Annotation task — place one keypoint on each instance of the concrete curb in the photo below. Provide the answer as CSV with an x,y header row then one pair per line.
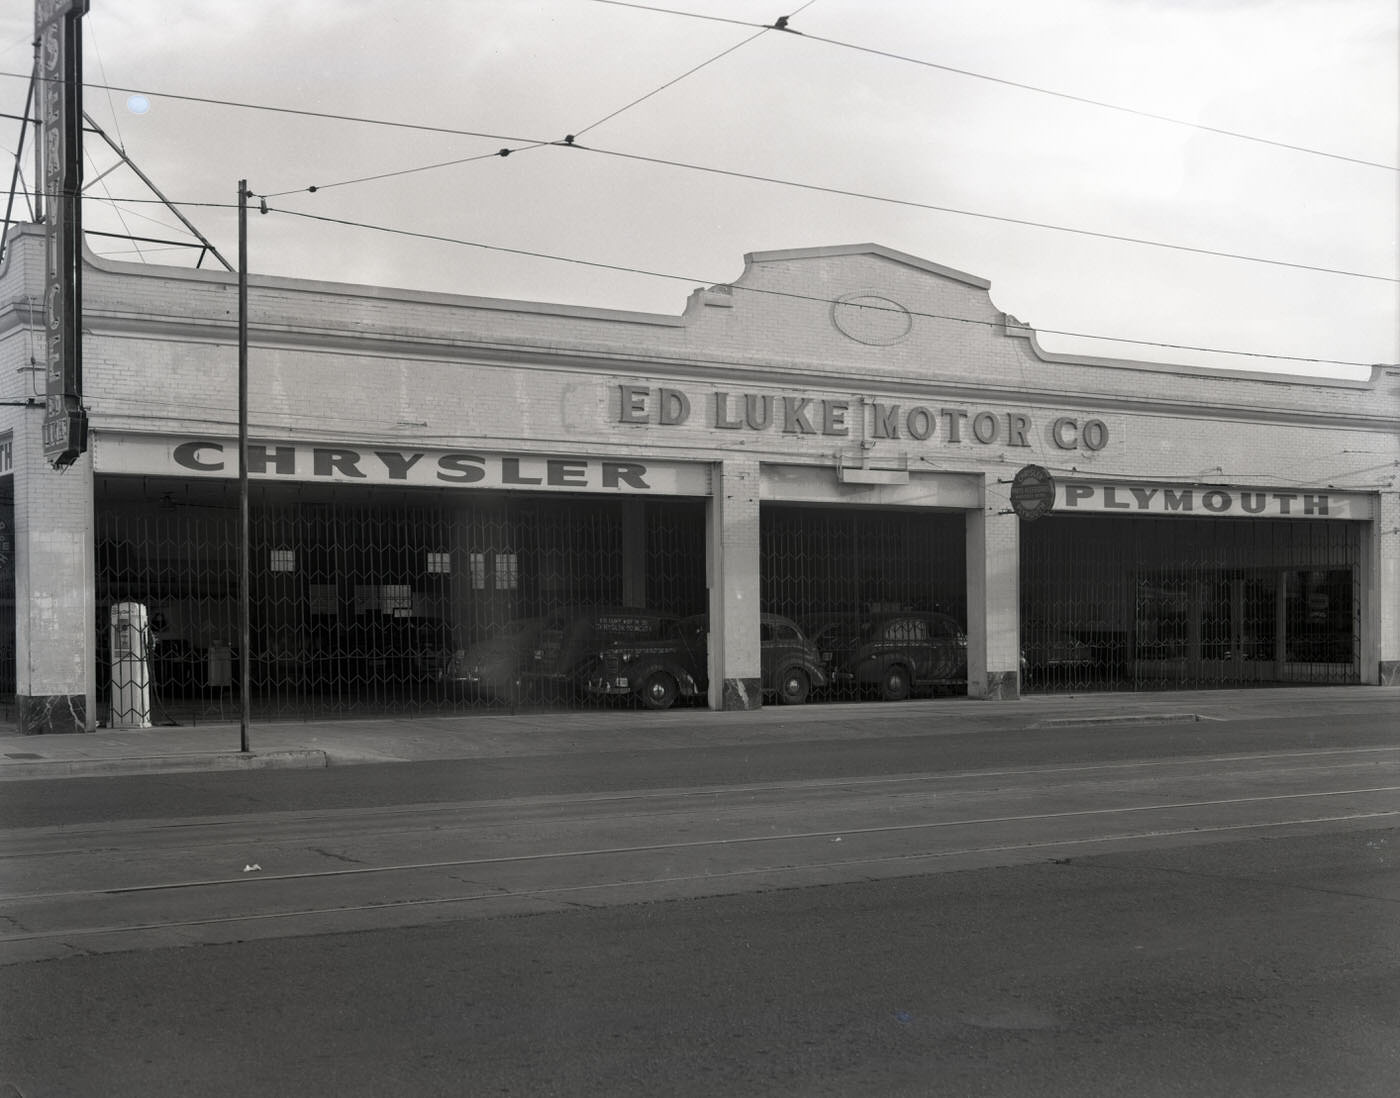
x,y
26,769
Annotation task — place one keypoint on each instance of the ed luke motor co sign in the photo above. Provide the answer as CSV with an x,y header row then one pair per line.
x,y
796,414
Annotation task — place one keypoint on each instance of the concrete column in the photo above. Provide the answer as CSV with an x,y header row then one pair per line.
x,y
732,569
55,602
993,604
1382,580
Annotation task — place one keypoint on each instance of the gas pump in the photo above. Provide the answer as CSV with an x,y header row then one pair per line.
x,y
131,667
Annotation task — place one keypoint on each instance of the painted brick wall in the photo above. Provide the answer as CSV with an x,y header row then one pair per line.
x,y
407,370
53,589
349,364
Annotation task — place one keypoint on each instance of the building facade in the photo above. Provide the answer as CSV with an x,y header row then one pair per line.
x,y
841,433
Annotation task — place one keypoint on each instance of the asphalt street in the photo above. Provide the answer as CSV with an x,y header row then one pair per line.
x,y
1203,908
1263,968
877,742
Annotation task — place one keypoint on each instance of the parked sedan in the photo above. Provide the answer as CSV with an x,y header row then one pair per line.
x,y
549,656
835,636
662,669
494,667
900,653
792,665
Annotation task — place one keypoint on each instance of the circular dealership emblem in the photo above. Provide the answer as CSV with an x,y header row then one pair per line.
x,y
869,318
1032,492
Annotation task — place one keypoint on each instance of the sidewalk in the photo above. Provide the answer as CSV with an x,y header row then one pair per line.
x,y
316,744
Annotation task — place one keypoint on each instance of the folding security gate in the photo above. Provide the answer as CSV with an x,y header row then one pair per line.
x,y
361,599
820,565
7,593
1171,603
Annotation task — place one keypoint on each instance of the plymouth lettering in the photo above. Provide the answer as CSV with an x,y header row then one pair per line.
x,y
1073,495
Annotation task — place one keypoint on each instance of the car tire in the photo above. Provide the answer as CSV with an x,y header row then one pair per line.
x,y
794,686
895,684
658,691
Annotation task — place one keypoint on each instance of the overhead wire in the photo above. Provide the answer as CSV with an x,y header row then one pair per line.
x,y
1220,131
399,173
292,111
847,193
111,106
693,279
986,216
781,25
568,140
689,72
532,143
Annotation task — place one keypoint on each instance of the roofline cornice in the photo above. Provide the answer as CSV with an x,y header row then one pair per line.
x,y
608,361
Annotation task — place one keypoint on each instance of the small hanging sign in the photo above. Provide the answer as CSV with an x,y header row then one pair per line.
x,y
1032,492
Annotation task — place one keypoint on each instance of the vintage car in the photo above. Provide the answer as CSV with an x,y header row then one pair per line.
x,y
662,669
791,665
492,668
834,634
544,657
899,654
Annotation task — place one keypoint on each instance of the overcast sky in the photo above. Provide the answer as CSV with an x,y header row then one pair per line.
x,y
1314,80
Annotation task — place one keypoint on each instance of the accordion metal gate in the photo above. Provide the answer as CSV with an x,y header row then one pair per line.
x,y
1175,603
363,600
8,646
833,570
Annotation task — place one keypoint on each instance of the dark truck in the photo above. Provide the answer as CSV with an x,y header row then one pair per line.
x,y
661,669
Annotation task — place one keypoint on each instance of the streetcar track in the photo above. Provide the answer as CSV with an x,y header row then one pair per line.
x,y
500,893
365,815
692,844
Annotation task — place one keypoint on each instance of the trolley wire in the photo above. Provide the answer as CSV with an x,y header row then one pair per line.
x,y
784,25
569,141
694,279
829,190
818,188
689,72
345,222
867,196
301,112
538,144
989,217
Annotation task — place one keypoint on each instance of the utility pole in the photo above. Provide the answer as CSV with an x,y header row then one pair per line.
x,y
244,660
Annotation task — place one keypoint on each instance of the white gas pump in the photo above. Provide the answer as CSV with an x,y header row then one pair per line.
x,y
131,669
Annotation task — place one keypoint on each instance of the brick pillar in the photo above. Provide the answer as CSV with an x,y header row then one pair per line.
x,y
993,604
731,563
55,602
